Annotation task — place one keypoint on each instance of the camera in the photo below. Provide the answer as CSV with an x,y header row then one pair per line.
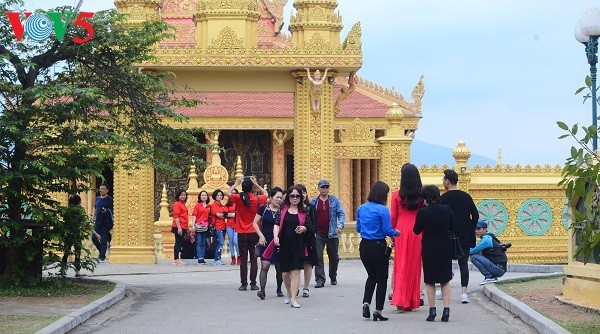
x,y
505,246
224,214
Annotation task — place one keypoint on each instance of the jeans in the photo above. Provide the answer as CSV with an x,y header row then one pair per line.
x,y
247,243
232,235
200,245
377,265
220,243
487,268
101,229
332,253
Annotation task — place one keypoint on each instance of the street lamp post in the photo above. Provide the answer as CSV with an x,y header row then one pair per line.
x,y
587,32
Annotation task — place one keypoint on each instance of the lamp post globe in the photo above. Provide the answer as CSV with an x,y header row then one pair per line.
x,y
587,32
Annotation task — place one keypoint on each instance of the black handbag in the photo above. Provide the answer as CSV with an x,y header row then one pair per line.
x,y
457,251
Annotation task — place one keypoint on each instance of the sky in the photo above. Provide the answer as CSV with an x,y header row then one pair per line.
x,y
498,73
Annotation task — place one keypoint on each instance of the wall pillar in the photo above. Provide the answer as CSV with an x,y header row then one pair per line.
x,y
356,186
395,148
345,186
365,182
133,233
278,158
313,133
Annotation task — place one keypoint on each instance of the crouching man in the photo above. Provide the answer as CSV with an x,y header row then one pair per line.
x,y
488,255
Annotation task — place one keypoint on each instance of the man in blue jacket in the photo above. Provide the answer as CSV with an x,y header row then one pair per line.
x,y
330,222
488,255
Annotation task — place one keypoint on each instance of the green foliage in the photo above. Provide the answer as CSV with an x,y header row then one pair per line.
x,y
68,110
581,179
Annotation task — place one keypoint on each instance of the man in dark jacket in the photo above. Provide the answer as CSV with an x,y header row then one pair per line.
x,y
466,216
489,255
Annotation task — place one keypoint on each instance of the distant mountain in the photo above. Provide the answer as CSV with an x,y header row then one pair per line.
x,y
422,153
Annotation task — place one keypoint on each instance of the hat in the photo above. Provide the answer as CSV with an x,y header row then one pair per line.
x,y
323,183
481,224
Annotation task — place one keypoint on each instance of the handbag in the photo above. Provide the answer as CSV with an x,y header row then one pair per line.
x,y
258,250
199,228
457,251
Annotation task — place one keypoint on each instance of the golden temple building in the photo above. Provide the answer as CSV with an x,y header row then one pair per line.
x,y
291,109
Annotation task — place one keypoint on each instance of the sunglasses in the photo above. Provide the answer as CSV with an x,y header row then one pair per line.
x,y
326,187
295,196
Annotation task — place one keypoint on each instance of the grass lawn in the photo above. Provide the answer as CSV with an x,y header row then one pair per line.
x,y
540,294
55,298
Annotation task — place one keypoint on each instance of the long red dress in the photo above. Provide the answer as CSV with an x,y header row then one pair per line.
x,y
407,257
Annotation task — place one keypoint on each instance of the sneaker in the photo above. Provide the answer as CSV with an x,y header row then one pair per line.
x,y
101,260
201,261
178,262
219,263
464,298
438,295
239,261
286,300
295,305
233,261
489,280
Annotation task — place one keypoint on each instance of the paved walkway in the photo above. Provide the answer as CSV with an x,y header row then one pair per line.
x,y
165,298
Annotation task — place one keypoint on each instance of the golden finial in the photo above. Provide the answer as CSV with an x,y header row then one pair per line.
x,y
499,162
394,116
461,154
193,184
239,172
164,204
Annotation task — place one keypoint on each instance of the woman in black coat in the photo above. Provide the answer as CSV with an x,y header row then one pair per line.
x,y
435,221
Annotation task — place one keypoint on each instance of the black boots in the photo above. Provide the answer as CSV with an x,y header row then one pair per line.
x,y
432,314
446,314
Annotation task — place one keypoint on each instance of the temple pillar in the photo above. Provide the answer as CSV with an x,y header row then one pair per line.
x,y
374,170
133,233
356,187
278,158
395,148
345,186
365,182
313,132
461,155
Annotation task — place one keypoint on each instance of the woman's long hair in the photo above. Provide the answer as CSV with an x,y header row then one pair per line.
x,y
246,190
306,201
410,187
301,206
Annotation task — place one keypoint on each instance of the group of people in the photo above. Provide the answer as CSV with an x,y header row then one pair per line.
x,y
281,227
419,224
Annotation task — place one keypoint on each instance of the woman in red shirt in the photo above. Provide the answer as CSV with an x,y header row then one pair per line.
x,y
219,213
234,250
247,205
200,216
180,224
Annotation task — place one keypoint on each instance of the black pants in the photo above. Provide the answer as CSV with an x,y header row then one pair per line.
x,y
464,266
372,255
178,247
77,253
246,244
103,230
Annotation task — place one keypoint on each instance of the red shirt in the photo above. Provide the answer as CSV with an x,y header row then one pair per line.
x,y
245,215
322,216
180,211
230,220
218,207
201,213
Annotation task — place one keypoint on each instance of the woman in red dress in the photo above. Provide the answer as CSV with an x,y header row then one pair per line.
x,y
406,202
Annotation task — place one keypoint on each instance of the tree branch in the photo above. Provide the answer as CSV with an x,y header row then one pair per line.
x,y
15,61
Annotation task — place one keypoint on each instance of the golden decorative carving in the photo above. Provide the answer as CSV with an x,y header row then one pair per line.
x,y
317,13
226,4
461,153
177,8
345,92
317,42
216,176
417,94
353,40
357,131
357,152
227,39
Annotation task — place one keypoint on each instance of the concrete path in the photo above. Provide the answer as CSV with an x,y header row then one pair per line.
x,y
165,298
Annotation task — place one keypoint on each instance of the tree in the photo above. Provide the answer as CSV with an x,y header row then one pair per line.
x,y
68,109
581,179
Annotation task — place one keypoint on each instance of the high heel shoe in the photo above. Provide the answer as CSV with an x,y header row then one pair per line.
x,y
446,314
378,316
366,311
432,314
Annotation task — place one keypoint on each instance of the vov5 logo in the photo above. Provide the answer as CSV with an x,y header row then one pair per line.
x,y
39,26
